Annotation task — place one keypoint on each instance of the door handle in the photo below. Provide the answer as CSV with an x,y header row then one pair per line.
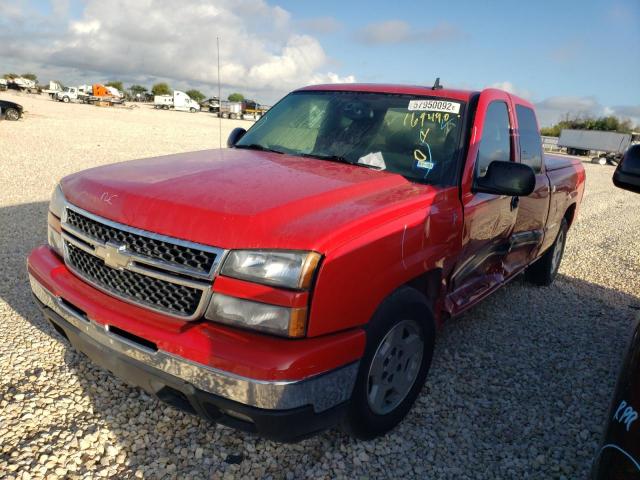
x,y
515,201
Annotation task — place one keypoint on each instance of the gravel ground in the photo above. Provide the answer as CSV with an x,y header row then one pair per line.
x,y
519,387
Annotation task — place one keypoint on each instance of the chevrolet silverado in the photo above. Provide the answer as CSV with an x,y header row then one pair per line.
x,y
297,279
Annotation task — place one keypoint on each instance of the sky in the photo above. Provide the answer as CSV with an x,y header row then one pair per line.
x,y
566,56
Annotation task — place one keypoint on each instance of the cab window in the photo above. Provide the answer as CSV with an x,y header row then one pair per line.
x,y
495,144
530,142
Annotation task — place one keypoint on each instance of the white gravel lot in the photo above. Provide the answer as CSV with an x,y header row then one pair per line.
x,y
519,387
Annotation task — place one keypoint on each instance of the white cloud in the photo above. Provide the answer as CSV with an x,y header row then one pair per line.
x,y
509,87
553,109
399,31
175,40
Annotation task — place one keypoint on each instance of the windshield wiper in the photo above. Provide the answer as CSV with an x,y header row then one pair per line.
x,y
330,158
337,158
257,146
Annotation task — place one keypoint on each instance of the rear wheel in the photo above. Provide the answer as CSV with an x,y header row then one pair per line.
x,y
233,116
12,114
400,339
544,271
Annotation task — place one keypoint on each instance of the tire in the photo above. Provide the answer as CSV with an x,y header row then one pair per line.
x,y
12,114
65,99
192,110
233,116
165,107
377,404
544,271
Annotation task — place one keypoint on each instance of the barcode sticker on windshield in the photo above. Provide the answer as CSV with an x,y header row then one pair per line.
x,y
434,106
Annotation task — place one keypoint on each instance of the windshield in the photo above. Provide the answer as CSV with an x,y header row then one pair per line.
x,y
416,137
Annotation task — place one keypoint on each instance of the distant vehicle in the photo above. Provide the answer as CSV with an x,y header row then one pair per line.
x,y
3,84
54,88
253,109
22,84
10,110
212,104
583,142
90,94
178,101
232,110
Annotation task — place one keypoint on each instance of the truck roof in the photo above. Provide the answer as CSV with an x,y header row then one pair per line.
x,y
463,95
423,90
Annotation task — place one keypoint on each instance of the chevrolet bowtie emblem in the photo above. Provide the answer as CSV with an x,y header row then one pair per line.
x,y
114,255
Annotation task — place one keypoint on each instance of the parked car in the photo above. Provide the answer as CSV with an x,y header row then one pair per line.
x,y
296,280
10,110
619,454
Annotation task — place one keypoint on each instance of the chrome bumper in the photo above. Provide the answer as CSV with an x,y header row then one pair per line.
x,y
321,392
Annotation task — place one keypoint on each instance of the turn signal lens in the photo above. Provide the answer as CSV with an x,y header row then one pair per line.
x,y
239,312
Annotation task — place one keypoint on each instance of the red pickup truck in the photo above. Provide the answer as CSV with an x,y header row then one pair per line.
x,y
296,280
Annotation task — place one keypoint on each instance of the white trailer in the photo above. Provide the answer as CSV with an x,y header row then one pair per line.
x,y
178,101
582,142
232,110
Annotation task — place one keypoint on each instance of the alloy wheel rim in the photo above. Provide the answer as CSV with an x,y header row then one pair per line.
x,y
395,366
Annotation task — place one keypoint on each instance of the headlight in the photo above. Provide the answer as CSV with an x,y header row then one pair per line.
x,y
283,321
280,268
54,232
56,205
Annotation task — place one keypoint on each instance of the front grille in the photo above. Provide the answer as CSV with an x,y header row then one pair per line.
x,y
197,260
177,299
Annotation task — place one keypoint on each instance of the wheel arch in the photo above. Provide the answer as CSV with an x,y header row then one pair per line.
x,y
570,213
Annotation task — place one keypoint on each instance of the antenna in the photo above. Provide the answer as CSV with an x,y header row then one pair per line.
x,y
436,85
219,97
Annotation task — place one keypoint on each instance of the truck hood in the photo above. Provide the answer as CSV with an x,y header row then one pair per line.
x,y
236,198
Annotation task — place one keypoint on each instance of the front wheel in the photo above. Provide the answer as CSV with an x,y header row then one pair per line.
x,y
65,99
400,339
192,110
544,271
12,114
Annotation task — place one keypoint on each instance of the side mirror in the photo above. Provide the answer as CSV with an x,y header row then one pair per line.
x,y
627,174
235,135
506,178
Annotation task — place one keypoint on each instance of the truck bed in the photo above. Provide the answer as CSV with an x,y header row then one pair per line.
x,y
557,162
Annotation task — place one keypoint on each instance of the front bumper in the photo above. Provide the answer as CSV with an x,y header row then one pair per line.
x,y
281,410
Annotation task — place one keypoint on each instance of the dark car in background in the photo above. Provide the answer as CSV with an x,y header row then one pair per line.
x,y
10,110
619,454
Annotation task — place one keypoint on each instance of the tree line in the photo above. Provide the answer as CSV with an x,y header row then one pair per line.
x,y
609,123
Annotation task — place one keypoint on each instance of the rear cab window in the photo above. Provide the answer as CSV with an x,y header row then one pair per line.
x,y
530,141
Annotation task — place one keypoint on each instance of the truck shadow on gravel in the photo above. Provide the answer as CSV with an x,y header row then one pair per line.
x,y
520,385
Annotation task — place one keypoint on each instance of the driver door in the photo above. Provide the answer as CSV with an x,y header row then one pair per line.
x,y
488,218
